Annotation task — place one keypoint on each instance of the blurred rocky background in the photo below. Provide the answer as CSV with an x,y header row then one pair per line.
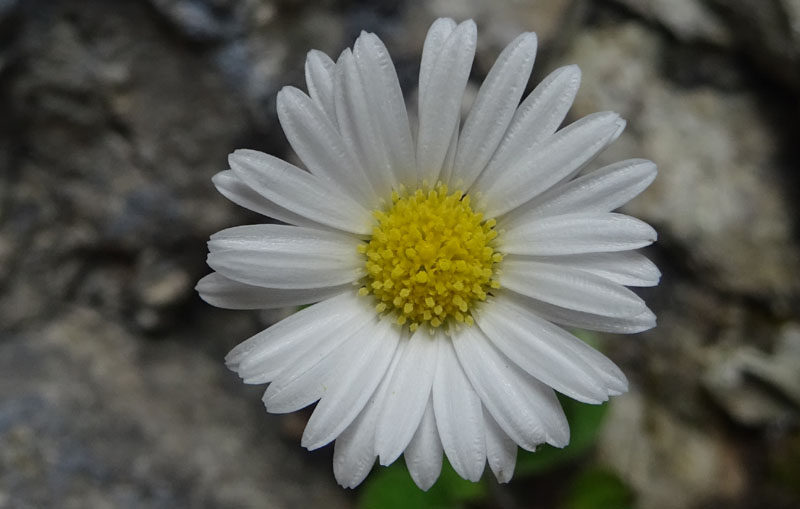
x,y
114,115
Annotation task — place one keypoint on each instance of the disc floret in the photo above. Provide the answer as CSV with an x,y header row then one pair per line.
x,y
431,256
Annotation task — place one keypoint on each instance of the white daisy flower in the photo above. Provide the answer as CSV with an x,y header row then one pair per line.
x,y
441,261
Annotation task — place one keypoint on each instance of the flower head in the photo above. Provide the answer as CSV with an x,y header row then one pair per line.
x,y
441,261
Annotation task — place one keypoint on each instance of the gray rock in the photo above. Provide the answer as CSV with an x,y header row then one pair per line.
x,y
204,20
498,23
94,417
689,20
7,6
116,115
769,32
160,286
756,388
116,149
110,134
270,55
729,252
669,463
719,194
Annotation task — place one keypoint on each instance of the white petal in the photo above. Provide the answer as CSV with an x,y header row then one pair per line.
x,y
423,455
538,116
317,142
265,355
548,163
627,268
494,108
577,233
570,288
358,125
308,376
615,380
407,396
602,190
438,33
222,292
501,451
369,354
526,409
441,92
459,417
288,257
234,189
354,451
299,191
543,350
387,105
612,377
572,318
446,175
320,70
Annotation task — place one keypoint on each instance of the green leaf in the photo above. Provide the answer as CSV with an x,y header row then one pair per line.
x,y
599,489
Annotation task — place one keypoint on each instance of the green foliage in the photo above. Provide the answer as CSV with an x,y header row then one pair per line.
x,y
784,463
393,488
598,489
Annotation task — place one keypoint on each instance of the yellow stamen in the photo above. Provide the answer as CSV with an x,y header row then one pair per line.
x,y
431,256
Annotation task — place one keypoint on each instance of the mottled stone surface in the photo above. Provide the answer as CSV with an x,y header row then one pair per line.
x,y
768,31
721,191
724,204
671,463
93,416
112,393
115,115
689,20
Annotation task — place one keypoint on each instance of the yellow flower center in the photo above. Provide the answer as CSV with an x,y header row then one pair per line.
x,y
430,258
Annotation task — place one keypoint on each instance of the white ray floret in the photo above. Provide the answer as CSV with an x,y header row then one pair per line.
x,y
440,262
